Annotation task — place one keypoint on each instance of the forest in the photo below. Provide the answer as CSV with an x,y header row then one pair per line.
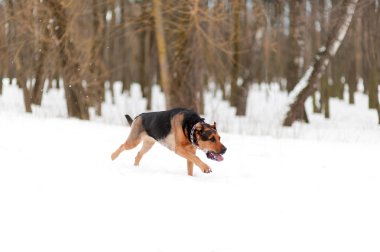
x,y
85,46
288,88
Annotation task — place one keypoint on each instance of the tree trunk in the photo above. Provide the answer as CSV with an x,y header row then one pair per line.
x,y
322,59
351,79
243,91
43,21
161,50
376,93
234,98
26,94
325,94
96,87
186,88
296,47
358,52
124,46
16,55
11,36
141,64
372,55
145,46
259,12
316,43
3,62
21,79
246,59
111,42
148,68
74,92
338,86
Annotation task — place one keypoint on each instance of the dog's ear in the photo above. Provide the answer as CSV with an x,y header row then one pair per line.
x,y
214,126
199,127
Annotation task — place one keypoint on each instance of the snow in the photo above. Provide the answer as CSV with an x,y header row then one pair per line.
x,y
308,188
265,111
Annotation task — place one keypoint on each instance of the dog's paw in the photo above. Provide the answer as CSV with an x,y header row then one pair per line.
x,y
207,169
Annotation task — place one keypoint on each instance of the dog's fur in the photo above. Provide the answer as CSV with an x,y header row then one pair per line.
x,y
173,129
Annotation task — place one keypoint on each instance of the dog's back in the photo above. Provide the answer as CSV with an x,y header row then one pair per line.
x,y
158,124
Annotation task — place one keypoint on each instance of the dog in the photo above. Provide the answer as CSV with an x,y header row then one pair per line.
x,y
180,130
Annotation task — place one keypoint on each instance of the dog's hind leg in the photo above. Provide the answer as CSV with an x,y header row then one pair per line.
x,y
133,140
129,144
147,145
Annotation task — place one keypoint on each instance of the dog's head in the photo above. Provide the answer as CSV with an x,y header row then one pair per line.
x,y
208,140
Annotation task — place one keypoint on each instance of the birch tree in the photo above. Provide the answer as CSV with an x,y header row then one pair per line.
x,y
299,95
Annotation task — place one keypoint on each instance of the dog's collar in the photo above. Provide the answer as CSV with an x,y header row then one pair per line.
x,y
193,138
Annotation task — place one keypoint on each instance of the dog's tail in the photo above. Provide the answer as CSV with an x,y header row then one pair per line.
x,y
129,119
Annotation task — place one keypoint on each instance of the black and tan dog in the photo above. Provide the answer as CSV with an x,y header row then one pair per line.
x,y
180,130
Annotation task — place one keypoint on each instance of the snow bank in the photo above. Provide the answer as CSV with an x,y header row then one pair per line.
x,y
265,110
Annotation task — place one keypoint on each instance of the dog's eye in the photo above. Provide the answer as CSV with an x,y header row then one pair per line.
x,y
212,139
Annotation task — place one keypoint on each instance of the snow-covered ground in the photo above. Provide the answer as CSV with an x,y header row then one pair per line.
x,y
309,188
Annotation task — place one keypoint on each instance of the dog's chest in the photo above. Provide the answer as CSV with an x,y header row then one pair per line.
x,y
168,142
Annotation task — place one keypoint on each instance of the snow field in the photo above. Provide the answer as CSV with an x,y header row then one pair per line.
x,y
60,192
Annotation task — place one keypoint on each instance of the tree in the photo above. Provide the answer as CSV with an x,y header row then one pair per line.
x,y
17,52
322,59
296,48
42,36
373,55
236,52
186,87
165,79
74,92
96,64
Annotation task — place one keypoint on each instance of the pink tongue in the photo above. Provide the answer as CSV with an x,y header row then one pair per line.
x,y
214,156
218,157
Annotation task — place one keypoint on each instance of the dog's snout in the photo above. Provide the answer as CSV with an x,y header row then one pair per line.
x,y
224,149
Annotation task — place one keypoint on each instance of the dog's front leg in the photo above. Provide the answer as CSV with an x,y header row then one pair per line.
x,y
192,158
190,166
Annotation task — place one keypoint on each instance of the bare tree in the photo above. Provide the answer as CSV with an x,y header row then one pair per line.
x,y
42,37
373,55
96,64
162,50
185,61
236,50
296,48
74,92
16,52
